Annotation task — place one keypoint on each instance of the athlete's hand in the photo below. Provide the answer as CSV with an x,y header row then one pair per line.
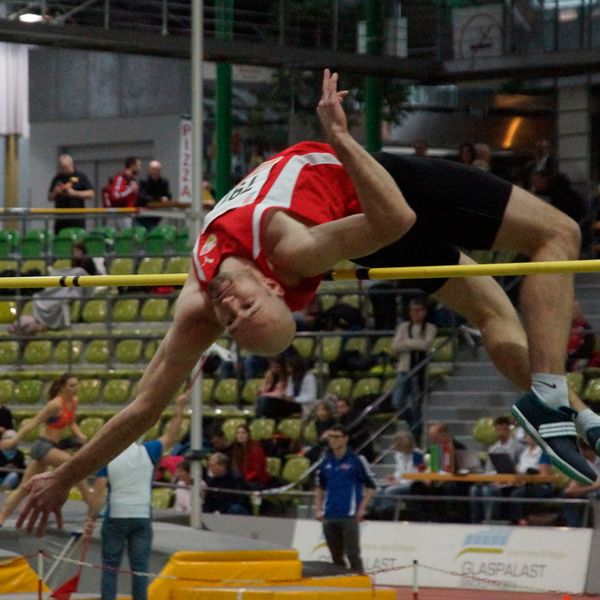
x,y
330,110
47,493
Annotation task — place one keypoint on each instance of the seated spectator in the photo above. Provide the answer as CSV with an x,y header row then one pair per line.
x,y
573,514
273,401
6,419
51,307
582,341
340,317
324,420
302,383
183,491
219,476
411,344
439,434
218,440
407,459
10,458
358,430
532,461
248,459
507,443
154,192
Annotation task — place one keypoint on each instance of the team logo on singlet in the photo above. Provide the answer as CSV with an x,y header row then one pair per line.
x,y
209,245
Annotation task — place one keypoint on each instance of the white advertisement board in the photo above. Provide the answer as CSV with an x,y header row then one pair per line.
x,y
464,556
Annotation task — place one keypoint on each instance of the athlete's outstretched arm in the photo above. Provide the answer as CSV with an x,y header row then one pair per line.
x,y
193,331
386,215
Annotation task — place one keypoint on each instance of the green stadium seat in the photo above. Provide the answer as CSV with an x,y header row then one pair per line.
x,y
178,264
340,386
61,263
262,429
108,232
125,309
95,311
33,266
329,349
230,425
358,344
575,381
37,352
382,345
95,244
310,433
9,265
304,346
352,300
251,389
89,390
121,266
129,240
290,428
151,266
154,309
29,391
153,433
159,240
208,385
7,388
150,349
295,468
327,301
182,241
9,352
8,311
128,351
162,498
592,391
6,243
90,425
33,244
116,391
274,466
97,352
368,387
388,384
442,351
226,391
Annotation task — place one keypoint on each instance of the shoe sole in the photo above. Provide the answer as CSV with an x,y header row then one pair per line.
x,y
557,461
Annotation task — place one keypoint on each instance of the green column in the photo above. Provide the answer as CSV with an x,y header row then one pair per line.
x,y
373,84
224,31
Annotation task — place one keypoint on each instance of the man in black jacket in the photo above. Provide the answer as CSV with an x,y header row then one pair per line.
x,y
220,477
154,192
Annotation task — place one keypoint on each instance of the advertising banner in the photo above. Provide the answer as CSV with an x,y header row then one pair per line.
x,y
464,556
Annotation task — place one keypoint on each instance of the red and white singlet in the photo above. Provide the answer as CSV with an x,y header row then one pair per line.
x,y
306,180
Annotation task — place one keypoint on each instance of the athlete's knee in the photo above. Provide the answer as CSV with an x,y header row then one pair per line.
x,y
562,237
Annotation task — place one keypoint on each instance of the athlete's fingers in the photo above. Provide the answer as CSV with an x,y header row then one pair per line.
x,y
58,517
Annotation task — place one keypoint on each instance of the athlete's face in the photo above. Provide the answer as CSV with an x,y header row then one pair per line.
x,y
252,311
70,388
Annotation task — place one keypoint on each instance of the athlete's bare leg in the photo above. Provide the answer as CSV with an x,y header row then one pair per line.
x,y
543,233
483,302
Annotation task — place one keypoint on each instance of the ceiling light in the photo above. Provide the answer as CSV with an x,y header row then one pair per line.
x,y
30,18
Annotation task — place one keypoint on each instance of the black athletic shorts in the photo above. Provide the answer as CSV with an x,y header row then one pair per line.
x,y
456,206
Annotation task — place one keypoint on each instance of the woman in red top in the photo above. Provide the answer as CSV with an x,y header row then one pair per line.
x,y
248,459
55,418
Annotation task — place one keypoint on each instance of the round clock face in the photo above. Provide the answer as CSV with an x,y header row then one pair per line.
x,y
481,35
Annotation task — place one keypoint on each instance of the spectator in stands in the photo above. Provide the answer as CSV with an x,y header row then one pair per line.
x,y
56,419
421,147
543,160
345,486
183,491
123,190
306,317
508,444
154,192
582,341
69,189
128,521
357,427
273,401
220,476
10,458
407,459
218,440
483,157
51,307
324,420
532,461
248,459
6,419
466,153
302,383
558,190
573,514
439,434
411,343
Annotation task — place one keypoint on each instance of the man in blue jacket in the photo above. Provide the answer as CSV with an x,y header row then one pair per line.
x,y
345,485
